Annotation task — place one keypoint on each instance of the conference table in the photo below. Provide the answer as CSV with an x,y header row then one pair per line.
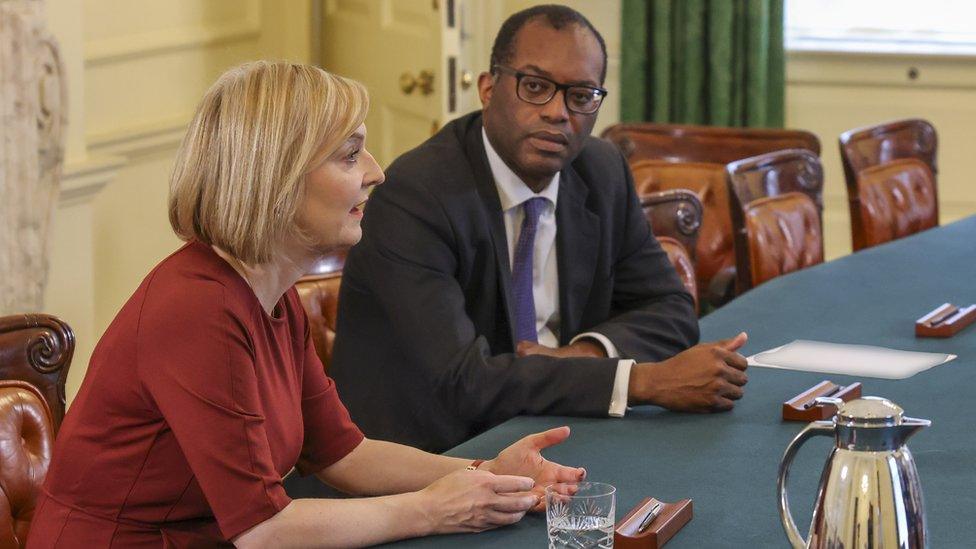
x,y
727,463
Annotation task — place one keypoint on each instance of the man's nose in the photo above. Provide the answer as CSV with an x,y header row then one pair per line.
x,y
555,110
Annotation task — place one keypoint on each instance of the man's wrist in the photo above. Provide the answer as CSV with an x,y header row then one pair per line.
x,y
640,389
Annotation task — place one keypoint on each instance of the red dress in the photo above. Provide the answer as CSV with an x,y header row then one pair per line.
x,y
195,403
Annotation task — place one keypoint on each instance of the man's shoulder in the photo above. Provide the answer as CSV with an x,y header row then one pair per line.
x,y
599,157
445,153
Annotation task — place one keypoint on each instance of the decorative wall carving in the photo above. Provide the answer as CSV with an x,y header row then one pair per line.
x,y
33,101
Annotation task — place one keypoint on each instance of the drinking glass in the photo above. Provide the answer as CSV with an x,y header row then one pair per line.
x,y
580,515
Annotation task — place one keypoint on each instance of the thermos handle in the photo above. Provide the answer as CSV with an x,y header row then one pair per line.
x,y
822,428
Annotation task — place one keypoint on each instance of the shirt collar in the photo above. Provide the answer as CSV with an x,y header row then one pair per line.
x,y
512,191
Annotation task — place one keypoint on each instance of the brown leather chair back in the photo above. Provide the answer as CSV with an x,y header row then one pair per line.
x,y
689,143
766,175
714,254
775,173
862,148
781,234
319,292
675,217
35,354
893,200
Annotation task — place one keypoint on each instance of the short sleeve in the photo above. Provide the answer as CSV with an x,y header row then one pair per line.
x,y
330,433
197,366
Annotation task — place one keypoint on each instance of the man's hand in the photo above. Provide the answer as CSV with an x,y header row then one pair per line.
x,y
524,458
583,348
705,378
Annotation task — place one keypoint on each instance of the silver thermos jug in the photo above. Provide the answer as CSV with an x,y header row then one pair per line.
x,y
869,495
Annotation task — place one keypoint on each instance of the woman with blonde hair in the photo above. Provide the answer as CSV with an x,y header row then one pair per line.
x,y
206,388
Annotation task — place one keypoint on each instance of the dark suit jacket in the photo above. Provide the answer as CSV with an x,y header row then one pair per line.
x,y
423,353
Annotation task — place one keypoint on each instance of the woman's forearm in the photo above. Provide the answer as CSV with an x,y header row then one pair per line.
x,y
377,467
341,523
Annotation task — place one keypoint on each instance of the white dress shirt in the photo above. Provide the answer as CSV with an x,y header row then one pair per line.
x,y
512,192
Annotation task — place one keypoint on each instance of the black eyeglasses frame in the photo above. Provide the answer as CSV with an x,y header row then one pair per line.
x,y
599,92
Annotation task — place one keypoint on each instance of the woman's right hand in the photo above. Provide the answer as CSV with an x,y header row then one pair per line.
x,y
473,501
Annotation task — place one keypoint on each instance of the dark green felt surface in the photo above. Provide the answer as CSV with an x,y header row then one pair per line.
x,y
727,462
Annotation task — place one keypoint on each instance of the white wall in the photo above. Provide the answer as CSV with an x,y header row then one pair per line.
x,y
136,69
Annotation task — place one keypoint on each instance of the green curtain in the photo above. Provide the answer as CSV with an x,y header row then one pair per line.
x,y
714,62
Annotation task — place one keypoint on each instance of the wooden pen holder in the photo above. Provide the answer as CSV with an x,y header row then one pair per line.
x,y
945,321
804,406
673,517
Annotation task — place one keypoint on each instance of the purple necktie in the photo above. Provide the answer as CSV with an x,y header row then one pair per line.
x,y
522,271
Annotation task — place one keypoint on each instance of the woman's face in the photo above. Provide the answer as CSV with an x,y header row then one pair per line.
x,y
336,192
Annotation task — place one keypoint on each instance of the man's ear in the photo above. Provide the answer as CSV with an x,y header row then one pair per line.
x,y
486,83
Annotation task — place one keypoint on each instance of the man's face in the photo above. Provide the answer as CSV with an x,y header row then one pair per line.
x,y
537,141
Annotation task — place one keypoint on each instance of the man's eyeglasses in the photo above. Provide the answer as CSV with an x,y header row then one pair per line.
x,y
539,91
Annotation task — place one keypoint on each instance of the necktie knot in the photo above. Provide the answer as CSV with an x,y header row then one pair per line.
x,y
533,208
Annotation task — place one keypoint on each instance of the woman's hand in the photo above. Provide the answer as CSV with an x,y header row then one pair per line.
x,y
524,458
473,501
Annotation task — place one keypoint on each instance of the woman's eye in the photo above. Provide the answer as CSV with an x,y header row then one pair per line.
x,y
353,156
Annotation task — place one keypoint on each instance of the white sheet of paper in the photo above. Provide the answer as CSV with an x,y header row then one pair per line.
x,y
852,360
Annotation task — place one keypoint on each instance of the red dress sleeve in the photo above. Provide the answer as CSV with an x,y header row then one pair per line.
x,y
198,369
330,434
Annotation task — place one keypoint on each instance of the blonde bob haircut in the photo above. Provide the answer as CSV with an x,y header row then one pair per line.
x,y
240,171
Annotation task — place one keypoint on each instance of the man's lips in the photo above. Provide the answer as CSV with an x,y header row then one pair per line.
x,y
549,141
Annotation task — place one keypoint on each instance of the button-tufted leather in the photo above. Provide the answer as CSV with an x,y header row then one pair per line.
x,y
681,259
713,254
319,292
893,200
783,235
26,438
35,353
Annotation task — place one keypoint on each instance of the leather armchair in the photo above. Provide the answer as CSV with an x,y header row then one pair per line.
x,y
35,354
319,292
782,234
893,200
865,148
767,175
714,254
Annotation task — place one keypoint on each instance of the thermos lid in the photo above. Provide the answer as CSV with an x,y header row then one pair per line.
x,y
869,411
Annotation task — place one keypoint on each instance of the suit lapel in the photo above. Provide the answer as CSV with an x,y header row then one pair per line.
x,y
485,184
577,244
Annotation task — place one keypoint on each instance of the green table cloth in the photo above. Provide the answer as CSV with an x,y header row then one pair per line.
x,y
727,462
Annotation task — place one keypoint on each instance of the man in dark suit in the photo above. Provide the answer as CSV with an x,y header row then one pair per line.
x,y
506,266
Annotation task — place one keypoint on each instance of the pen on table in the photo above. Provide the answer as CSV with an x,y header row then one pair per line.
x,y
945,315
828,394
651,515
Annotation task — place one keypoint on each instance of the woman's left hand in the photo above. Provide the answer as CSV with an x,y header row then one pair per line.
x,y
524,458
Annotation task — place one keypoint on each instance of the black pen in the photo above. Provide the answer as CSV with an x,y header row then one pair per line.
x,y
651,515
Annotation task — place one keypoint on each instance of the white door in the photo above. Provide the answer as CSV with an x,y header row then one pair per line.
x,y
406,52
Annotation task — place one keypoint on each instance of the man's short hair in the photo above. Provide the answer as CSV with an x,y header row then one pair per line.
x,y
556,16
240,172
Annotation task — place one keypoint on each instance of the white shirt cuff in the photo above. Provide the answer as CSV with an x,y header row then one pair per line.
x,y
621,386
621,380
608,345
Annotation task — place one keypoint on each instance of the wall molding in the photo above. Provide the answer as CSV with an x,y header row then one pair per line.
x,y
891,71
162,41
136,141
81,181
